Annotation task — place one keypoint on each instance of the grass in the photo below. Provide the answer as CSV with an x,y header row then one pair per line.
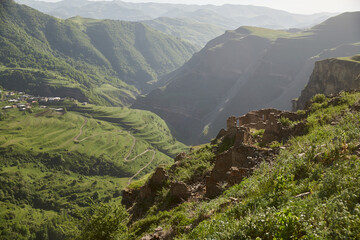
x,y
355,58
273,34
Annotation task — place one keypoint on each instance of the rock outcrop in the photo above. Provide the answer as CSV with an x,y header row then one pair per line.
x,y
331,76
179,191
243,157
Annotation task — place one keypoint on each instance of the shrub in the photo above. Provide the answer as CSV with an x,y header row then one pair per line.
x,y
258,133
285,121
104,222
318,98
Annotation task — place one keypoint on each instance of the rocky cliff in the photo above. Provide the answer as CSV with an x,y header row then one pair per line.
x,y
331,76
243,70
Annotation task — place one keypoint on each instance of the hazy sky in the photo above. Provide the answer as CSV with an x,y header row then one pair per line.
x,y
295,6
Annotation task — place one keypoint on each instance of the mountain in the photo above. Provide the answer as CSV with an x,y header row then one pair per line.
x,y
189,16
228,15
331,76
103,61
249,68
196,32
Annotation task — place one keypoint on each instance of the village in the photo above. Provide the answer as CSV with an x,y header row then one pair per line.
x,y
25,102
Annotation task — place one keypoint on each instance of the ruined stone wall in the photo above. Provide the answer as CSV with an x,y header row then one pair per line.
x,y
257,119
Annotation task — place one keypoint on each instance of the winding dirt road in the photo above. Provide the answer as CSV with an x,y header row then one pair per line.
x,y
76,139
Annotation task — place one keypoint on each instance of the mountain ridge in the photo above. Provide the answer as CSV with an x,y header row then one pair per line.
x,y
279,64
129,61
222,17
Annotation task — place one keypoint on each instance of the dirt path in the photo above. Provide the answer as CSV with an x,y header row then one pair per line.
x,y
141,169
76,139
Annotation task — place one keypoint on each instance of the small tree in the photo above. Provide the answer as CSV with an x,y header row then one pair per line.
x,y
104,222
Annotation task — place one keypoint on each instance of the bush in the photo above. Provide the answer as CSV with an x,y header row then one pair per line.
x,y
285,121
258,133
318,98
104,222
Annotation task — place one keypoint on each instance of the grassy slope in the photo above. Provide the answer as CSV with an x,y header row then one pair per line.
x,y
143,125
45,174
323,163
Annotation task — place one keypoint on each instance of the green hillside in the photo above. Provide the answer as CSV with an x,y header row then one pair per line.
x,y
309,190
106,62
54,165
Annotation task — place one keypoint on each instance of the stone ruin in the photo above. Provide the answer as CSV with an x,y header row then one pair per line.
x,y
267,119
179,191
243,157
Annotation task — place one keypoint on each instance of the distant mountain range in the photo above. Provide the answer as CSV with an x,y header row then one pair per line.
x,y
246,69
185,19
102,61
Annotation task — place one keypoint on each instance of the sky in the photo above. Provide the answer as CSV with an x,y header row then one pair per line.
x,y
294,6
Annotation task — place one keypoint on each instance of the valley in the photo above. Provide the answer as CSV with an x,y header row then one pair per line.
x,y
144,121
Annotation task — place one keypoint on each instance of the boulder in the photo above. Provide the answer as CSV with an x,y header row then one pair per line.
x,y
145,192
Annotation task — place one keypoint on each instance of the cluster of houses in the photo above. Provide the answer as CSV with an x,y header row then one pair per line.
x,y
24,101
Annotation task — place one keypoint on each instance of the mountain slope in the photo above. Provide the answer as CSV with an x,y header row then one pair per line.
x,y
303,185
249,68
54,54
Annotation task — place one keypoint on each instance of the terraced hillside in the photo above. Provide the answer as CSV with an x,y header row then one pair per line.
x,y
54,163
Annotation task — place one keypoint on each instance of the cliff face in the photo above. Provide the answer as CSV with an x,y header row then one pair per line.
x,y
331,76
243,70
